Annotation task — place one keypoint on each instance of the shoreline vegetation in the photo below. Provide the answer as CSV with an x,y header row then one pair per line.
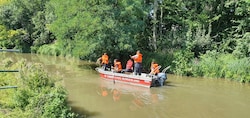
x,y
37,94
205,38
201,39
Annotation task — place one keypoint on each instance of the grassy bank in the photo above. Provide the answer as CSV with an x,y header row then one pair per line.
x,y
213,65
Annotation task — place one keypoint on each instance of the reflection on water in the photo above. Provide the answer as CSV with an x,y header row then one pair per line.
x,y
139,96
182,97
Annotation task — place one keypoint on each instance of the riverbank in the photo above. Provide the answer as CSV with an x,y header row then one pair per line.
x,y
213,65
37,95
217,98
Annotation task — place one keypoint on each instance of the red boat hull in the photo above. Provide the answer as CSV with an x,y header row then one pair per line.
x,y
131,79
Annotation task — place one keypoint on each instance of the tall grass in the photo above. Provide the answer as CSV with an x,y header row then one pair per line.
x,y
218,65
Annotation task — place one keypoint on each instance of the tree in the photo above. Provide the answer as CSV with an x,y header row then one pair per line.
x,y
86,29
18,15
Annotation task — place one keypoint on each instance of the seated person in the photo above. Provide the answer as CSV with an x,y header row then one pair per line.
x,y
104,59
129,66
117,66
154,68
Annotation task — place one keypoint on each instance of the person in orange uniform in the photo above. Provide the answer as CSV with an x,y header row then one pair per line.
x,y
137,63
117,66
154,68
105,61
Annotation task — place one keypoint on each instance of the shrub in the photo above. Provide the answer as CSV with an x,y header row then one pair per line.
x,y
219,65
37,95
181,62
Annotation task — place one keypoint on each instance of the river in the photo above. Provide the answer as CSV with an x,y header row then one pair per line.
x,y
182,97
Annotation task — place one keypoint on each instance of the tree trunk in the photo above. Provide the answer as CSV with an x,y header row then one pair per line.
x,y
154,42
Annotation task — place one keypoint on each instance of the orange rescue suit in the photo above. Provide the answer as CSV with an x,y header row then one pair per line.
x,y
105,59
154,68
118,66
138,59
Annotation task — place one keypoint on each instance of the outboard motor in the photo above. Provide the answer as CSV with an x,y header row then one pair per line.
x,y
159,79
162,77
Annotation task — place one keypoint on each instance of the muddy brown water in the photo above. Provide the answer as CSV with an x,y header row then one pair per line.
x,y
182,97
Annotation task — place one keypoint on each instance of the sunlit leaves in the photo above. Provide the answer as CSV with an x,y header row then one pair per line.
x,y
4,2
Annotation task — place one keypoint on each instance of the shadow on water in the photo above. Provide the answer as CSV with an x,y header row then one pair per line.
x,y
169,84
88,65
83,113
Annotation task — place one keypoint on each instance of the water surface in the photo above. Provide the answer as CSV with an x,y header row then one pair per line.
x,y
182,97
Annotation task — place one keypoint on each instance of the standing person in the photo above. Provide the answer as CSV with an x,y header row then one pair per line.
x,y
138,62
105,61
117,66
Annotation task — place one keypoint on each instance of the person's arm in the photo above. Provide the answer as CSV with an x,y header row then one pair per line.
x,y
98,61
152,69
115,66
135,56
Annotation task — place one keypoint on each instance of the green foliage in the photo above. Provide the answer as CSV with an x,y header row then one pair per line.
x,y
51,49
238,16
211,64
13,39
89,28
42,35
4,2
86,29
21,98
181,62
164,59
242,48
218,65
28,18
238,70
35,77
37,95
198,41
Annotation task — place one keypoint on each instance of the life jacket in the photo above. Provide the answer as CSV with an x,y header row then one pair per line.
x,y
155,68
118,66
138,59
105,59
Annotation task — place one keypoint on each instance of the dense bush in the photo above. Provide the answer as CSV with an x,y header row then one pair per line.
x,y
181,62
219,65
38,95
51,49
